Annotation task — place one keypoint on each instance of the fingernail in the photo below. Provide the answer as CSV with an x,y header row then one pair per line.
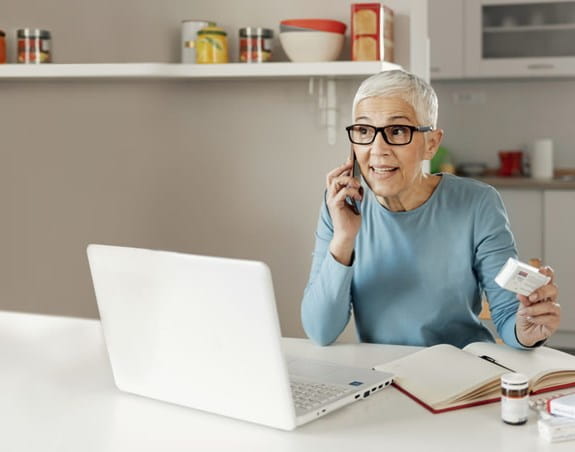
x,y
533,297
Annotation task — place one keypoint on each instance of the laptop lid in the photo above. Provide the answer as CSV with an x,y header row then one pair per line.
x,y
197,331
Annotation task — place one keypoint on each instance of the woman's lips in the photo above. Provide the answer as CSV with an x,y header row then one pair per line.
x,y
383,172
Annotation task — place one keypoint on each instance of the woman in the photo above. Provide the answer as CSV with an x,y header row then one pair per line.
x,y
414,263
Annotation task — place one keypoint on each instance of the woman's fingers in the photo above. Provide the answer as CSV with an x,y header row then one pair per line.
x,y
548,271
337,172
338,183
550,321
352,192
540,309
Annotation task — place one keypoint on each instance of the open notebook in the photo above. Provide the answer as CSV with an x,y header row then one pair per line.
x,y
444,377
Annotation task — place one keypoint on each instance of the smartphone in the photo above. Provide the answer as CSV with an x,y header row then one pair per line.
x,y
352,203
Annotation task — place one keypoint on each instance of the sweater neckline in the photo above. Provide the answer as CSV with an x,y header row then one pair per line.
x,y
419,208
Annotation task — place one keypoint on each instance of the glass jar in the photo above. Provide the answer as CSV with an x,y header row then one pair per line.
x,y
255,44
212,46
514,398
34,46
2,47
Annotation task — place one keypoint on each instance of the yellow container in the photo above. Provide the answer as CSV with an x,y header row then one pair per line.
x,y
212,46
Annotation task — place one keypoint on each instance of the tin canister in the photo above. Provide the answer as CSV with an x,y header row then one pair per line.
x,y
212,46
190,30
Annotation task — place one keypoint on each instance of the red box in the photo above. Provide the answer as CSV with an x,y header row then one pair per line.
x,y
371,32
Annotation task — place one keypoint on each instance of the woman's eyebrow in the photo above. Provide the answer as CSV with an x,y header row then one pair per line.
x,y
359,118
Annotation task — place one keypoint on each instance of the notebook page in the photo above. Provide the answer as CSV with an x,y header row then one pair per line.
x,y
533,363
441,373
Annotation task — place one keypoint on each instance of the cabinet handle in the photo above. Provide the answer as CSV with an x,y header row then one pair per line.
x,y
540,66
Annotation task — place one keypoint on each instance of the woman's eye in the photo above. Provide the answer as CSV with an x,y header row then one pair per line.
x,y
398,131
363,130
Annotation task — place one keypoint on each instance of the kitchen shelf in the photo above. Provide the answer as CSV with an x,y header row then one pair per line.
x,y
559,183
525,28
332,69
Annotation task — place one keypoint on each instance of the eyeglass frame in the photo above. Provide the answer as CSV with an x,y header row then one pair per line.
x,y
382,131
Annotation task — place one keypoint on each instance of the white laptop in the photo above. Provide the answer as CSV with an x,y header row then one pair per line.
x,y
203,332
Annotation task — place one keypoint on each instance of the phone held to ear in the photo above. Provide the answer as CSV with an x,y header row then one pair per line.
x,y
352,203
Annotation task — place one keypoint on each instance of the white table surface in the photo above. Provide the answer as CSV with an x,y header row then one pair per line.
x,y
57,394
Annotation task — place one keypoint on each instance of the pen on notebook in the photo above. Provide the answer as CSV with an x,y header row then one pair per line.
x,y
491,360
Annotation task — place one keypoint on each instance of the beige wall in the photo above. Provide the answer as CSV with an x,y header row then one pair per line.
x,y
221,168
161,165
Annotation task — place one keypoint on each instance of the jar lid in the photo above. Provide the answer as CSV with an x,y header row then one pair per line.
x,y
212,31
209,23
514,380
33,33
252,32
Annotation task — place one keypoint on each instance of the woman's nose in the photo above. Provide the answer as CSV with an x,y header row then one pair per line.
x,y
379,144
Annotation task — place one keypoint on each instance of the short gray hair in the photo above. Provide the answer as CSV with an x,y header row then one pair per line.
x,y
405,85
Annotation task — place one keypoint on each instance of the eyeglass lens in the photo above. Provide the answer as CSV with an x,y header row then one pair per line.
x,y
363,134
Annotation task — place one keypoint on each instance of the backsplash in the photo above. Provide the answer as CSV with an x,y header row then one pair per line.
x,y
482,117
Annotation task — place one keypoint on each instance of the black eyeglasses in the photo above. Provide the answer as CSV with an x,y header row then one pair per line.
x,y
395,134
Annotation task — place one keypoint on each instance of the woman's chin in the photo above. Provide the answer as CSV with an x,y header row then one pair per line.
x,y
384,188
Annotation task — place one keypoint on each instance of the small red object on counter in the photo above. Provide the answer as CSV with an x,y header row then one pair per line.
x,y
511,163
2,47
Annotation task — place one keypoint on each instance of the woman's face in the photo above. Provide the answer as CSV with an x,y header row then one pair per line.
x,y
392,170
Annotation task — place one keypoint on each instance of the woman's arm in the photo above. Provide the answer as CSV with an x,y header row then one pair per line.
x,y
326,304
494,244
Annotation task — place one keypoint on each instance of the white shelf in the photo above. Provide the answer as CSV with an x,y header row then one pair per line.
x,y
336,69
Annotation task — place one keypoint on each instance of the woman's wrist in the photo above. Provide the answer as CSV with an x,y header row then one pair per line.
x,y
342,250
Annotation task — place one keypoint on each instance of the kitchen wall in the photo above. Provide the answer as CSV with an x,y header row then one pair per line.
x,y
232,168
483,117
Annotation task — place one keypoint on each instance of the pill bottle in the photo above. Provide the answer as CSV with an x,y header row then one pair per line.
x,y
514,398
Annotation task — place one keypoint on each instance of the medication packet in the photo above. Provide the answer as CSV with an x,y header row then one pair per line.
x,y
520,278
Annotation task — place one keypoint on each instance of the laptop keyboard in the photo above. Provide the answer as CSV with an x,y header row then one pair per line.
x,y
309,395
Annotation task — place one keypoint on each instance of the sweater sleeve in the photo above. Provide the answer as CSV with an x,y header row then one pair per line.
x,y
494,244
326,304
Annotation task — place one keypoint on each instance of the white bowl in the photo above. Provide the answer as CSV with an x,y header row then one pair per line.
x,y
306,46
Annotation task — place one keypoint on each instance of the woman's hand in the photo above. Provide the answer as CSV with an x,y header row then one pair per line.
x,y
539,314
346,224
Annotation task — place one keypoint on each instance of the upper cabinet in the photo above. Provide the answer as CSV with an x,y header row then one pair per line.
x,y
446,39
502,38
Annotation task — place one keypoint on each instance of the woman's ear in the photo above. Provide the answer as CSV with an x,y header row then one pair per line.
x,y
432,143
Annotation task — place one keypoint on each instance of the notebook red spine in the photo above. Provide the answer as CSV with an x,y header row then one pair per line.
x,y
472,404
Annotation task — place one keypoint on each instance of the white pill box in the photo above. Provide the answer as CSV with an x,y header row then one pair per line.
x,y
520,278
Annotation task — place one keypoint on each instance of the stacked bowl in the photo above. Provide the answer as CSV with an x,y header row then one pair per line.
x,y
306,40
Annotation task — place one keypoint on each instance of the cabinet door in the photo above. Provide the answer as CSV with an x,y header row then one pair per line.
x,y
525,211
519,38
446,39
560,249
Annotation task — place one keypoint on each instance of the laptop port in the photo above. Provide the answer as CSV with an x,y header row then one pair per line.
x,y
380,386
373,389
366,394
357,396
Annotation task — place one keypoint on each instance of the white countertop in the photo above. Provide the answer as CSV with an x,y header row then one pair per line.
x,y
57,394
